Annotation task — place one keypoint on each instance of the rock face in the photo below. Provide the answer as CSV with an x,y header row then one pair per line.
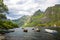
x,y
53,14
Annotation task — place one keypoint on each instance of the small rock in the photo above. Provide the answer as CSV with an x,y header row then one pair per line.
x,y
22,28
33,29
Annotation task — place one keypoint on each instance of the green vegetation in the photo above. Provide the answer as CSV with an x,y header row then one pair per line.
x,y
4,23
49,18
2,16
35,20
7,24
53,13
21,21
3,7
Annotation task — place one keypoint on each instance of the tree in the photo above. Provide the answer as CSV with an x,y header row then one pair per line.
x,y
4,23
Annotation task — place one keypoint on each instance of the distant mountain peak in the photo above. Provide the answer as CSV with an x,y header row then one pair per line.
x,y
57,5
39,10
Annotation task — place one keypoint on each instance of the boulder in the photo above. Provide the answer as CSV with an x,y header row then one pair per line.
x,y
32,28
37,30
25,30
50,31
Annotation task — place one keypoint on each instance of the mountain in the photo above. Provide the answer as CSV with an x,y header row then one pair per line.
x,y
21,21
35,20
48,18
53,13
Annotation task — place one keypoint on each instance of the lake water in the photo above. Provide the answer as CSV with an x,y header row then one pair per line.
x,y
30,35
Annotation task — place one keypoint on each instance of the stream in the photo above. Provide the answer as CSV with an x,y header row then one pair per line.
x,y
30,35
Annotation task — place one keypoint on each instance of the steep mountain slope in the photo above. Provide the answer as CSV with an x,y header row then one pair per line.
x,y
48,18
53,13
35,20
21,21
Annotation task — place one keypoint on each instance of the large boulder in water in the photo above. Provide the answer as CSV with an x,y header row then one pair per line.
x,y
25,30
51,31
37,30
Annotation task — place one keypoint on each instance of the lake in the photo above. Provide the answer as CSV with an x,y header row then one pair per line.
x,y
30,35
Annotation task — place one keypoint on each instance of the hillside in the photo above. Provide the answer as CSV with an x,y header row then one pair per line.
x,y
35,20
53,13
50,17
21,21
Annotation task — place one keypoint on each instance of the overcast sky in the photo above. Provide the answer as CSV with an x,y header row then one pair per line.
x,y
17,8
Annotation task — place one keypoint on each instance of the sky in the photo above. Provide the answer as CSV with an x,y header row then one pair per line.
x,y
18,8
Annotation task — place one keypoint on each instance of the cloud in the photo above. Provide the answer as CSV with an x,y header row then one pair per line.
x,y
28,7
13,17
